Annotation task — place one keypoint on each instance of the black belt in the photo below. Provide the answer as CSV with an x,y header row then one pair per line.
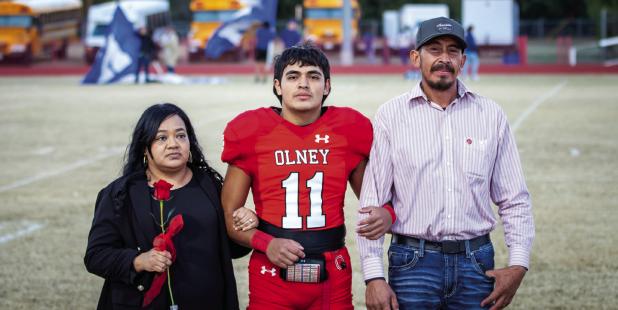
x,y
446,247
313,241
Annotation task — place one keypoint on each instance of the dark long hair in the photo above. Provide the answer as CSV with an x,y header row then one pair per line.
x,y
145,132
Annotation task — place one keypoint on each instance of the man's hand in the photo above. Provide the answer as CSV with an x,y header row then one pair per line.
x,y
380,296
507,282
284,252
376,224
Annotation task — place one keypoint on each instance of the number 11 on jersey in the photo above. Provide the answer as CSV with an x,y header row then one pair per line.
x,y
292,220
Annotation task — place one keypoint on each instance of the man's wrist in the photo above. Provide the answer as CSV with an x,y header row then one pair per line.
x,y
261,240
389,207
524,269
373,279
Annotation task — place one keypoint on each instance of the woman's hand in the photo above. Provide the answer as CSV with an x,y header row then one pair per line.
x,y
244,219
153,261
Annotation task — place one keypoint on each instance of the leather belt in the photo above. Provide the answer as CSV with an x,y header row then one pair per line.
x,y
446,247
313,241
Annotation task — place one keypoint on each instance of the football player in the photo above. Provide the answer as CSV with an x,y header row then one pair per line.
x,y
297,161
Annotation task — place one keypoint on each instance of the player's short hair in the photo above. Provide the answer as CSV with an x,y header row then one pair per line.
x,y
303,54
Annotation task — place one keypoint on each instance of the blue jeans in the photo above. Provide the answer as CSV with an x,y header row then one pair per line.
x,y
471,67
142,62
425,279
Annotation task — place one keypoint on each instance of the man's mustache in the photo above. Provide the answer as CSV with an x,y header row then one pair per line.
x,y
443,66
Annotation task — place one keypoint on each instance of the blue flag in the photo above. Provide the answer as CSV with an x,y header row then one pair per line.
x,y
230,33
117,60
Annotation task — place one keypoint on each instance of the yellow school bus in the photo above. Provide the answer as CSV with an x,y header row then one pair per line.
x,y
207,16
30,28
323,22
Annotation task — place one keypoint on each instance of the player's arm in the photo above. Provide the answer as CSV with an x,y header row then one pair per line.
x,y
233,196
356,177
380,219
281,252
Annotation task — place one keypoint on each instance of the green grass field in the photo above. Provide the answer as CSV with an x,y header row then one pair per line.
x,y
61,143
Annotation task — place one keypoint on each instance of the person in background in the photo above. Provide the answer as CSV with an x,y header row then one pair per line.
x,y
471,68
167,40
406,45
404,42
263,36
146,53
123,243
290,36
369,44
444,156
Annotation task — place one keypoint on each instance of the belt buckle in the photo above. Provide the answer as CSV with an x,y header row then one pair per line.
x,y
302,272
450,247
311,269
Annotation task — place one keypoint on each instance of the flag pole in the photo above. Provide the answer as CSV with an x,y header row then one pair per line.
x,y
347,55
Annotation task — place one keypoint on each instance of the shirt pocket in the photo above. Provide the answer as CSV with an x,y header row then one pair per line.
x,y
474,157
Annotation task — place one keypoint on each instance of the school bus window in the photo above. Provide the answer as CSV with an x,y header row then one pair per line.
x,y
213,16
15,21
324,13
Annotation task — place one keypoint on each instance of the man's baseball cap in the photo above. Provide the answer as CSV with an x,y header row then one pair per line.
x,y
437,27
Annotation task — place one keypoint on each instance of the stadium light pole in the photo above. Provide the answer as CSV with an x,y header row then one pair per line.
x,y
347,57
603,23
604,31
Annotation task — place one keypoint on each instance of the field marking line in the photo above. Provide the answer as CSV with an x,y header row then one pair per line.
x,y
30,228
536,103
83,162
61,170
15,106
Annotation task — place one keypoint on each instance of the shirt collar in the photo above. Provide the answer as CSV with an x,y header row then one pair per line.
x,y
418,93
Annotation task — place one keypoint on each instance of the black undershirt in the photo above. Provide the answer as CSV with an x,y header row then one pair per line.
x,y
197,278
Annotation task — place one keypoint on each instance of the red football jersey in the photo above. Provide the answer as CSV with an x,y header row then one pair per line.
x,y
299,173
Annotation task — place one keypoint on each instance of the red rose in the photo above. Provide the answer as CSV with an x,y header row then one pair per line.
x,y
162,190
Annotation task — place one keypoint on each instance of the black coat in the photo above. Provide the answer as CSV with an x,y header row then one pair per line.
x,y
121,231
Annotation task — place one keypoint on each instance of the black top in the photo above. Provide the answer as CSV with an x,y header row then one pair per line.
x,y
290,37
196,273
147,45
123,228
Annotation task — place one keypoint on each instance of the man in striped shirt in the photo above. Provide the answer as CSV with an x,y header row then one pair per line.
x,y
443,154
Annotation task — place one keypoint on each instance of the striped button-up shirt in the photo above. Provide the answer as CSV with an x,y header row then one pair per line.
x,y
442,169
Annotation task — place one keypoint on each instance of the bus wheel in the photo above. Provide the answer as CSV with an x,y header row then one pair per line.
x,y
62,51
26,58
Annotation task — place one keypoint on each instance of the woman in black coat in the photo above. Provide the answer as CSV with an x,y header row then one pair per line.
x,y
127,219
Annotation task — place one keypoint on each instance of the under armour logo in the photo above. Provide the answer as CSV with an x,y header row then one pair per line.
x,y
318,138
272,271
